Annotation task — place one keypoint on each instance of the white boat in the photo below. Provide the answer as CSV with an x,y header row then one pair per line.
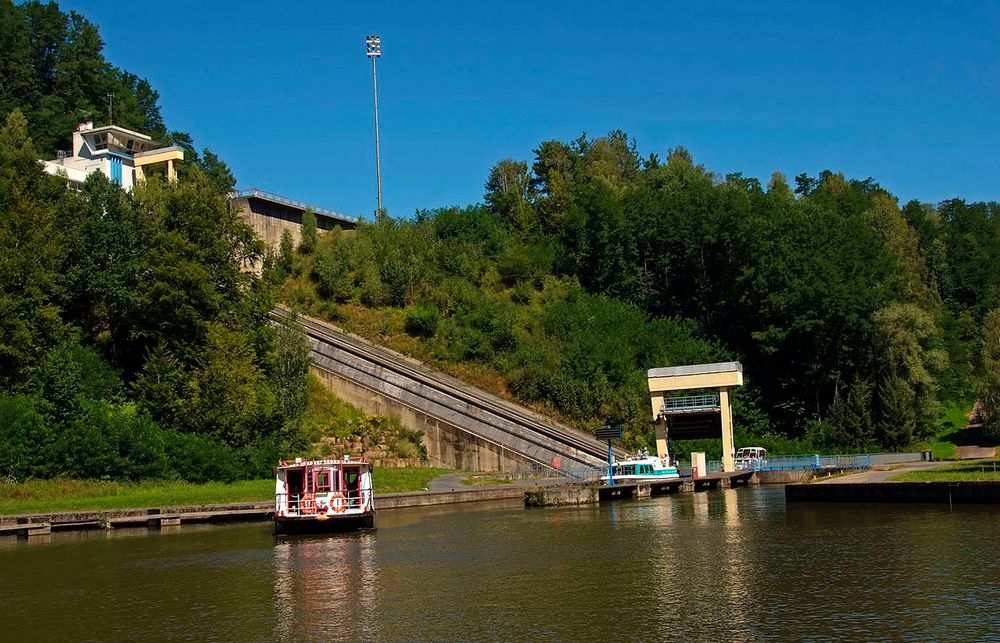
x,y
751,458
323,495
642,468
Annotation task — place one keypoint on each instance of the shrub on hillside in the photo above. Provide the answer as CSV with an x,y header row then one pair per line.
x,y
422,321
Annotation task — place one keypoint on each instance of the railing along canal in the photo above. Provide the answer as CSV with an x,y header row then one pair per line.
x,y
801,462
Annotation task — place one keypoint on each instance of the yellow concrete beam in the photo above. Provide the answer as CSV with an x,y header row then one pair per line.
x,y
688,382
159,157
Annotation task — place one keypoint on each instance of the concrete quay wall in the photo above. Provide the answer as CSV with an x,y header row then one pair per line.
x,y
924,492
448,446
27,525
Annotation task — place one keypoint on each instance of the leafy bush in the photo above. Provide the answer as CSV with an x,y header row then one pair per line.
x,y
422,321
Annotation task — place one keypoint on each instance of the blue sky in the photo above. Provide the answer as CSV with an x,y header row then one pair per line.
x,y
907,93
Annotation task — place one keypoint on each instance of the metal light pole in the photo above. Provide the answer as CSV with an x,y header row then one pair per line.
x,y
374,44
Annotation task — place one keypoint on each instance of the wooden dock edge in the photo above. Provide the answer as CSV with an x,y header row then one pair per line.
x,y
28,525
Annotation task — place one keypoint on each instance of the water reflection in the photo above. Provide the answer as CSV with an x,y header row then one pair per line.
x,y
324,586
717,565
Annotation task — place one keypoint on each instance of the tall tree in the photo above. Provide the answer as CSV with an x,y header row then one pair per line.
x,y
307,244
30,322
989,396
509,193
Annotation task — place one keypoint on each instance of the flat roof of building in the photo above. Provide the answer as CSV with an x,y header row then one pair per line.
x,y
695,369
115,128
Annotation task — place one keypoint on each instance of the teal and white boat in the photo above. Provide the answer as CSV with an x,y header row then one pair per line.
x,y
642,468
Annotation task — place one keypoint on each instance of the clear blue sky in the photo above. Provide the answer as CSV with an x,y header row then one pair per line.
x,y
907,93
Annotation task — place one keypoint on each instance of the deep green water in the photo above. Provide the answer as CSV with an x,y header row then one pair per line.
x,y
726,565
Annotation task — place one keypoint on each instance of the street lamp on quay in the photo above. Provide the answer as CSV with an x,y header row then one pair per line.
x,y
374,45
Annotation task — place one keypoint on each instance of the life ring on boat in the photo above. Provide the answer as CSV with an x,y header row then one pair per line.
x,y
339,503
308,504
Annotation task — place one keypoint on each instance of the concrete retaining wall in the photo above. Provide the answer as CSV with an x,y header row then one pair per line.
x,y
447,445
561,496
931,492
783,477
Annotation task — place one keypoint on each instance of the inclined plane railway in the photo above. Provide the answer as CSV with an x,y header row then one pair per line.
x,y
575,449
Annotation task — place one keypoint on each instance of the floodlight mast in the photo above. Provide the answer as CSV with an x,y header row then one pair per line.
x,y
374,46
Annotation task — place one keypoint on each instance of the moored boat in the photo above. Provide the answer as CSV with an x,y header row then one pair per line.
x,y
642,468
323,495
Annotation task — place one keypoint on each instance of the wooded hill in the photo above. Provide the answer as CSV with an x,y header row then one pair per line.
x,y
133,346
856,319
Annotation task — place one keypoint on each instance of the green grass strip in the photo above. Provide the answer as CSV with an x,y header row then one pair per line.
x,y
62,494
967,471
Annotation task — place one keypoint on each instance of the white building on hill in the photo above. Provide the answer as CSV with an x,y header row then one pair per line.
x,y
120,154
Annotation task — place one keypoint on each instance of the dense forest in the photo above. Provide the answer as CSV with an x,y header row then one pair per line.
x,y
857,320
53,70
134,345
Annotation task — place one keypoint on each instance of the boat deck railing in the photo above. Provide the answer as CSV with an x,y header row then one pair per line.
x,y
305,503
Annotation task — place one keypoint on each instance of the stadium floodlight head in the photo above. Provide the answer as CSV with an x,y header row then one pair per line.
x,y
374,46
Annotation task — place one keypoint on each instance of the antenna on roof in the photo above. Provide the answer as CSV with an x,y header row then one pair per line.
x,y
111,104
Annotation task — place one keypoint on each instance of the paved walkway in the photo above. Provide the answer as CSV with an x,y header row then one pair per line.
x,y
881,475
970,445
975,453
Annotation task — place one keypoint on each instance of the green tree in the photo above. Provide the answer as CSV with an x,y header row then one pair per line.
x,y
287,369
852,415
105,264
229,399
509,194
989,395
30,322
286,252
307,244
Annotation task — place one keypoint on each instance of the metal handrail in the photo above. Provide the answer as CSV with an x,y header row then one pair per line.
x,y
352,501
271,196
688,402
801,462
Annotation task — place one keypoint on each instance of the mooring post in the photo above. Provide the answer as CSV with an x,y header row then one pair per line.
x,y
611,466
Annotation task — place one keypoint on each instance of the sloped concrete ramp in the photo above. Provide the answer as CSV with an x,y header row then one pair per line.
x,y
464,427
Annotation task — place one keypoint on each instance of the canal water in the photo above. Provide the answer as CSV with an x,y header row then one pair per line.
x,y
721,565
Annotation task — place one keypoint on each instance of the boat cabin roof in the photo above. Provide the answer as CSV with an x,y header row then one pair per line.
x,y
302,463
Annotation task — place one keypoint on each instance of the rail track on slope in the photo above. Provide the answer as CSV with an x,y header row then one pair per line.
x,y
529,435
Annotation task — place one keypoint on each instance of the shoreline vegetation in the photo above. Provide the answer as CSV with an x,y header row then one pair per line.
x,y
65,494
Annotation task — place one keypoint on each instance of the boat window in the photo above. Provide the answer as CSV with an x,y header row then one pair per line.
x,y
352,476
295,482
323,481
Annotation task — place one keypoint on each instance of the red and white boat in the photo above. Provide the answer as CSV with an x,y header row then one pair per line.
x,y
323,495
